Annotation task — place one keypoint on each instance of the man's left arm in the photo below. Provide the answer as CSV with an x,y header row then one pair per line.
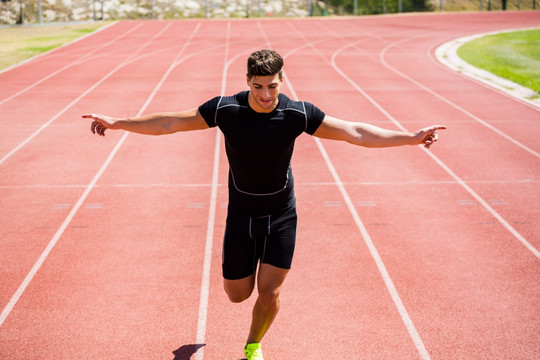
x,y
367,135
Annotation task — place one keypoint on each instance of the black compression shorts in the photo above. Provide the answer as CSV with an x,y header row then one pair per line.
x,y
270,239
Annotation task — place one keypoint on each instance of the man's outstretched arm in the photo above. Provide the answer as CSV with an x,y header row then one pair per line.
x,y
153,124
366,135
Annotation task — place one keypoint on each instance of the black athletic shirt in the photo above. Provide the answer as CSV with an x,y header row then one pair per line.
x,y
259,147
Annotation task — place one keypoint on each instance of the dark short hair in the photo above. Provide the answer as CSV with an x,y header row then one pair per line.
x,y
264,62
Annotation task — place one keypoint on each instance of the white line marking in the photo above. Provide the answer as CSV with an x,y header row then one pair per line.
x,y
205,284
362,183
205,281
58,234
333,203
196,204
93,206
509,227
492,211
413,333
415,336
366,203
60,231
161,185
60,206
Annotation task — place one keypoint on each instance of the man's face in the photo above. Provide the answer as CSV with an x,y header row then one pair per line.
x,y
264,91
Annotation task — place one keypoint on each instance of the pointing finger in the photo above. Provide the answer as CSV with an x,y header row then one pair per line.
x,y
438,127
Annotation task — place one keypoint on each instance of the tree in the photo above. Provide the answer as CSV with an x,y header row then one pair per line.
x,y
376,6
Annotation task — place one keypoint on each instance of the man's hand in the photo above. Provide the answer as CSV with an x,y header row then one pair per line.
x,y
427,136
100,123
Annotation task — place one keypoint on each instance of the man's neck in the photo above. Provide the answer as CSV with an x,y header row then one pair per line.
x,y
254,105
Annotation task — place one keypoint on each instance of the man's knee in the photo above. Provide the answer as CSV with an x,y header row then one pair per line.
x,y
270,280
239,290
269,298
237,297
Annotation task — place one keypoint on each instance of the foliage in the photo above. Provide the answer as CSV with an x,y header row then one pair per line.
x,y
343,7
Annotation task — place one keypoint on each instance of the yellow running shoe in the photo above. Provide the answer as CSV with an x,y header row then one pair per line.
x,y
253,351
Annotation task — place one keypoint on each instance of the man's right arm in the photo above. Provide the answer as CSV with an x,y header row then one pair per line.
x,y
153,124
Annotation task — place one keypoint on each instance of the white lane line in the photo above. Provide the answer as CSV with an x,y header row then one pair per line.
x,y
363,183
76,100
205,283
79,61
451,103
485,204
492,211
207,262
37,265
18,293
413,333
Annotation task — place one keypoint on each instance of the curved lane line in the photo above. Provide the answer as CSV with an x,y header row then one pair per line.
x,y
451,103
432,92
492,211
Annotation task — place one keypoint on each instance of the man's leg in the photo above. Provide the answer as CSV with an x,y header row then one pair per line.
x,y
269,282
239,290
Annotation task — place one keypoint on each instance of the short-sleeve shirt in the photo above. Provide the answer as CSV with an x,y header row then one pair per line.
x,y
259,148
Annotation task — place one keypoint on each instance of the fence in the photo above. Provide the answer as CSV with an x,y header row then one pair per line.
x,y
46,11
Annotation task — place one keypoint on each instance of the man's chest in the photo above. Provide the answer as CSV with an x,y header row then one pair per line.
x,y
261,135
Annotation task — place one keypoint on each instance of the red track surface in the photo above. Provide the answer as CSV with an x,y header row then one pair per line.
x,y
402,253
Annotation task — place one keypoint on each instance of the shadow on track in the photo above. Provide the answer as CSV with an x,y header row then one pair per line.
x,y
185,352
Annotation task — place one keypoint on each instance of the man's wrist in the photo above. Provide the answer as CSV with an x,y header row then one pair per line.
x,y
119,123
412,138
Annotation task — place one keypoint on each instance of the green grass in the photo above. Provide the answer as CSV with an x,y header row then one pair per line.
x,y
21,43
514,56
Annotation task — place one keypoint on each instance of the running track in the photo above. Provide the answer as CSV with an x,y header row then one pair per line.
x,y
110,247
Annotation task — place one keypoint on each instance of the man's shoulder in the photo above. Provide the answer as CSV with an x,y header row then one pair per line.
x,y
288,104
312,115
237,100
225,105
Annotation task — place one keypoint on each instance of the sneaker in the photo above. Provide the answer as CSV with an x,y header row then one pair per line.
x,y
253,351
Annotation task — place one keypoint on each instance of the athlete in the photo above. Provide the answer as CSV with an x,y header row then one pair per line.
x,y
260,127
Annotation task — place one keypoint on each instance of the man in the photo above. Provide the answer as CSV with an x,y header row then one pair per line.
x,y
260,127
